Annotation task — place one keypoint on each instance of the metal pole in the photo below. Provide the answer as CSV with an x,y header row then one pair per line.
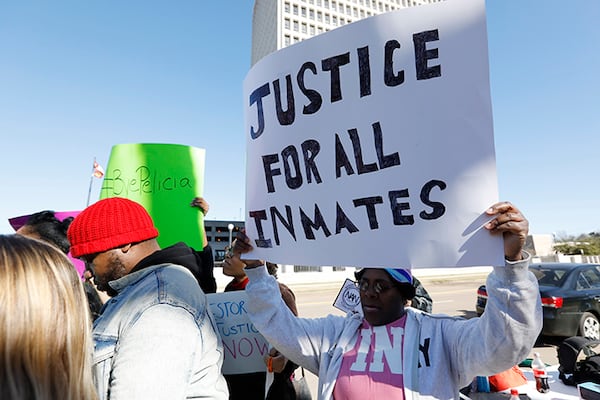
x,y
230,227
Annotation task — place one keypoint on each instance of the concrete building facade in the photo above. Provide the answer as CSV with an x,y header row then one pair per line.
x,y
279,23
219,235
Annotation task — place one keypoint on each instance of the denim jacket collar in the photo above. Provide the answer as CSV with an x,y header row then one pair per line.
x,y
131,278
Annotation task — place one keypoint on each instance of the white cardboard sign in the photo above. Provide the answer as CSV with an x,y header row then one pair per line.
x,y
244,347
372,145
348,298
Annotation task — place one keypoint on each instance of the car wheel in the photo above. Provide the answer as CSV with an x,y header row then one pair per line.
x,y
589,326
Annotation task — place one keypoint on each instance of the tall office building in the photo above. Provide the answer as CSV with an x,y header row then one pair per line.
x,y
279,23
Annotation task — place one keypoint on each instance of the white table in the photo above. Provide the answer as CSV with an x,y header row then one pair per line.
x,y
558,390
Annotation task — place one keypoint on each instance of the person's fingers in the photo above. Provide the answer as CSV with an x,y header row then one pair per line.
x,y
278,363
201,204
508,217
512,224
240,245
507,221
242,237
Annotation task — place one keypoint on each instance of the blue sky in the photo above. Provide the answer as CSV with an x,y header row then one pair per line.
x,y
78,77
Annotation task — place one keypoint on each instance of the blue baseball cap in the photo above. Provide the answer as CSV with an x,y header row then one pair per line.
x,y
400,275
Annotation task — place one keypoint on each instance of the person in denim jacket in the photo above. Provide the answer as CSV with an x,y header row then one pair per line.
x,y
156,337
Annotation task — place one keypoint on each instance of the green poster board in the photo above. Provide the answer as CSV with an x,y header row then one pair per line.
x,y
164,178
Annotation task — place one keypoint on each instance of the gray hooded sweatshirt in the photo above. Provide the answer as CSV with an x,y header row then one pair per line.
x,y
441,354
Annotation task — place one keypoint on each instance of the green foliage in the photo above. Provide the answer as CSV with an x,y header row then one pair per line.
x,y
583,244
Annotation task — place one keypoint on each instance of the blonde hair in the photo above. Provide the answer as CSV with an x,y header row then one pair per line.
x,y
45,332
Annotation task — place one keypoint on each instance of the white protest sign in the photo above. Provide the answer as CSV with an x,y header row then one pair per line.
x,y
348,298
372,144
243,346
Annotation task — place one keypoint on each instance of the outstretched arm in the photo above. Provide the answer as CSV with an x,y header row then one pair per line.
x,y
302,340
505,333
202,204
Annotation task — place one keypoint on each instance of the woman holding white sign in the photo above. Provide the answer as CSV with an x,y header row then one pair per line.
x,y
395,352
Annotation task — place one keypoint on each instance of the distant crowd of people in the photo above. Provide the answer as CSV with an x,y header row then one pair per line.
x,y
138,325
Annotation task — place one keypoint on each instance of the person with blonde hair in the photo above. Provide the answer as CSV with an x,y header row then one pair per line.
x,y
45,226
45,332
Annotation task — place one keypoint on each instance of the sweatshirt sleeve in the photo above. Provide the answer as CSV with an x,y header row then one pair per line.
x,y
506,332
300,339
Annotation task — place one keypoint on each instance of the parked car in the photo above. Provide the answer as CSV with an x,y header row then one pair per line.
x,y
570,295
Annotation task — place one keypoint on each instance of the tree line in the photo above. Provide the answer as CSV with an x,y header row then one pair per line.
x,y
585,244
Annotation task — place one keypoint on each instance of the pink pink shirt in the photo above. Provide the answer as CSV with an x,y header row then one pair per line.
x,y
373,368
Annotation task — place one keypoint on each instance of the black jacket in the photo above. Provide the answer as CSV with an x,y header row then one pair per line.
x,y
200,263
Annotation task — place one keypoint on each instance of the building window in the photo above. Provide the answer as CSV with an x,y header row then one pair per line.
x,y
286,23
327,18
326,3
303,12
304,30
286,7
219,255
319,16
295,8
286,40
296,26
311,14
311,31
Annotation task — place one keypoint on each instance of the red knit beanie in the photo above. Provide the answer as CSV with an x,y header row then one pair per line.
x,y
108,224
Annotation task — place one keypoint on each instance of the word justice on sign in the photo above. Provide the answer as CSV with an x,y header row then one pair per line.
x,y
392,76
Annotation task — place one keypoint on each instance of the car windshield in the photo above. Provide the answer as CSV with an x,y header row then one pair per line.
x,y
550,276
